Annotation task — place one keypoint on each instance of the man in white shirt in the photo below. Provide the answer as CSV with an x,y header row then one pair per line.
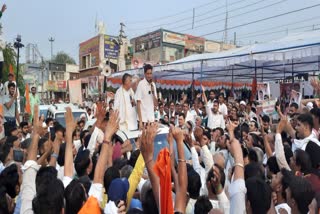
x,y
146,97
125,103
215,118
212,97
222,107
189,114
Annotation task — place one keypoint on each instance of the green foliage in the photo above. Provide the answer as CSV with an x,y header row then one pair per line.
x,y
10,58
63,58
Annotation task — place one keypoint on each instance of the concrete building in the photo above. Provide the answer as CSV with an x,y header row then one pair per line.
x,y
101,51
163,46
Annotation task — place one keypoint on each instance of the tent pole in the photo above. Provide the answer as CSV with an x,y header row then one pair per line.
x,y
232,89
262,73
201,72
292,72
192,85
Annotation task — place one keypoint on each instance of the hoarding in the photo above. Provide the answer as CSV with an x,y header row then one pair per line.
x,y
174,38
111,48
147,41
195,43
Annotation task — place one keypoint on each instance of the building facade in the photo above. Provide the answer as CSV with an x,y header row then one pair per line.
x,y
163,46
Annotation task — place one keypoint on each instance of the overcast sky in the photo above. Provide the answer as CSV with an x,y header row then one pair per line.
x,y
73,21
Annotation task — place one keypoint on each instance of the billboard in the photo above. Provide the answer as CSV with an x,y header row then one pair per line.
x,y
90,47
195,43
56,86
174,38
147,41
212,47
111,48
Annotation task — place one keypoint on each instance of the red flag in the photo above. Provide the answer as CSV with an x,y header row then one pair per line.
x,y
27,96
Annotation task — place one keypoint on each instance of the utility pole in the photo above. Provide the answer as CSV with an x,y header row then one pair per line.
x,y
120,42
51,40
225,33
194,14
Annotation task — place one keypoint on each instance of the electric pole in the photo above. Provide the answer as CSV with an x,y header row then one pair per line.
x,y
120,42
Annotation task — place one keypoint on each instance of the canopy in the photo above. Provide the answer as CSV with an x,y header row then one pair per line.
x,y
294,54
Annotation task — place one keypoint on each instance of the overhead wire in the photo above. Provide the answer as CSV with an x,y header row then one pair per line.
x,y
172,15
237,15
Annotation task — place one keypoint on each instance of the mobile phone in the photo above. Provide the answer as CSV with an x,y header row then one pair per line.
x,y
18,155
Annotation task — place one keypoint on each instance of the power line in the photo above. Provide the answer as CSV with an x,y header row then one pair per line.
x,y
190,17
278,31
223,13
237,15
279,26
264,19
172,15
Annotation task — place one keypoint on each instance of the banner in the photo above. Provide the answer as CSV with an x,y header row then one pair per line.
x,y
195,43
136,63
75,91
173,38
111,48
263,90
147,41
93,88
56,86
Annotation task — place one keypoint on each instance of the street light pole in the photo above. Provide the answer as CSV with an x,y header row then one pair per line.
x,y
17,44
51,40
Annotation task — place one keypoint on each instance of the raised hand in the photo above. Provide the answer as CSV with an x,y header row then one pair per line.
x,y
4,7
147,141
71,124
37,123
112,126
178,135
100,115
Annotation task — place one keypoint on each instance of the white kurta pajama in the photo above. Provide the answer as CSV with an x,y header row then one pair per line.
x,y
127,112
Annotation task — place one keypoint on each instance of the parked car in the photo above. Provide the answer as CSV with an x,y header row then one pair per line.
x,y
57,112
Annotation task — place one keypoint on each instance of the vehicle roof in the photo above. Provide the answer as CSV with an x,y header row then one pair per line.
x,y
62,108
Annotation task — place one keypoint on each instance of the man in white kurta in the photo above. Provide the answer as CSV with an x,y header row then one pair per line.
x,y
125,104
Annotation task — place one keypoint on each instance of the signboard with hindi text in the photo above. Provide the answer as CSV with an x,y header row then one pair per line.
x,y
147,41
174,38
111,48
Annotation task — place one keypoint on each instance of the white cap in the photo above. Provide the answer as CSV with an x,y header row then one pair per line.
x,y
309,105
243,103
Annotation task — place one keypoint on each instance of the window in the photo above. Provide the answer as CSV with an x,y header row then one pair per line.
x,y
86,61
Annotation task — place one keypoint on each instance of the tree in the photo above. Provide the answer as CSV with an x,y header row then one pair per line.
x,y
63,58
10,58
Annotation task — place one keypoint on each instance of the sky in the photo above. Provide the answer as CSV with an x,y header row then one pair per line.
x,y
71,22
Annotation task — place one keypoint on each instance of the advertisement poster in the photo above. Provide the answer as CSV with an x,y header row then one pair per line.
x,y
93,86
263,90
111,48
148,41
75,91
174,38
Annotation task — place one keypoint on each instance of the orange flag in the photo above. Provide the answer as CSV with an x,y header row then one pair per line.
x,y
163,169
12,72
27,96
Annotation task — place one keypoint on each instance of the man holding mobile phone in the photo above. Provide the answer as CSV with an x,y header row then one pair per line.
x,y
10,110
146,96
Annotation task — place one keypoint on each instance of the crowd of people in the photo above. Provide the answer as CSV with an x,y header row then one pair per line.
x,y
241,161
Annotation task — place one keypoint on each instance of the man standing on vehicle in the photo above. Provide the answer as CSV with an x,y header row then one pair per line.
x,y
34,100
10,110
146,96
124,102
